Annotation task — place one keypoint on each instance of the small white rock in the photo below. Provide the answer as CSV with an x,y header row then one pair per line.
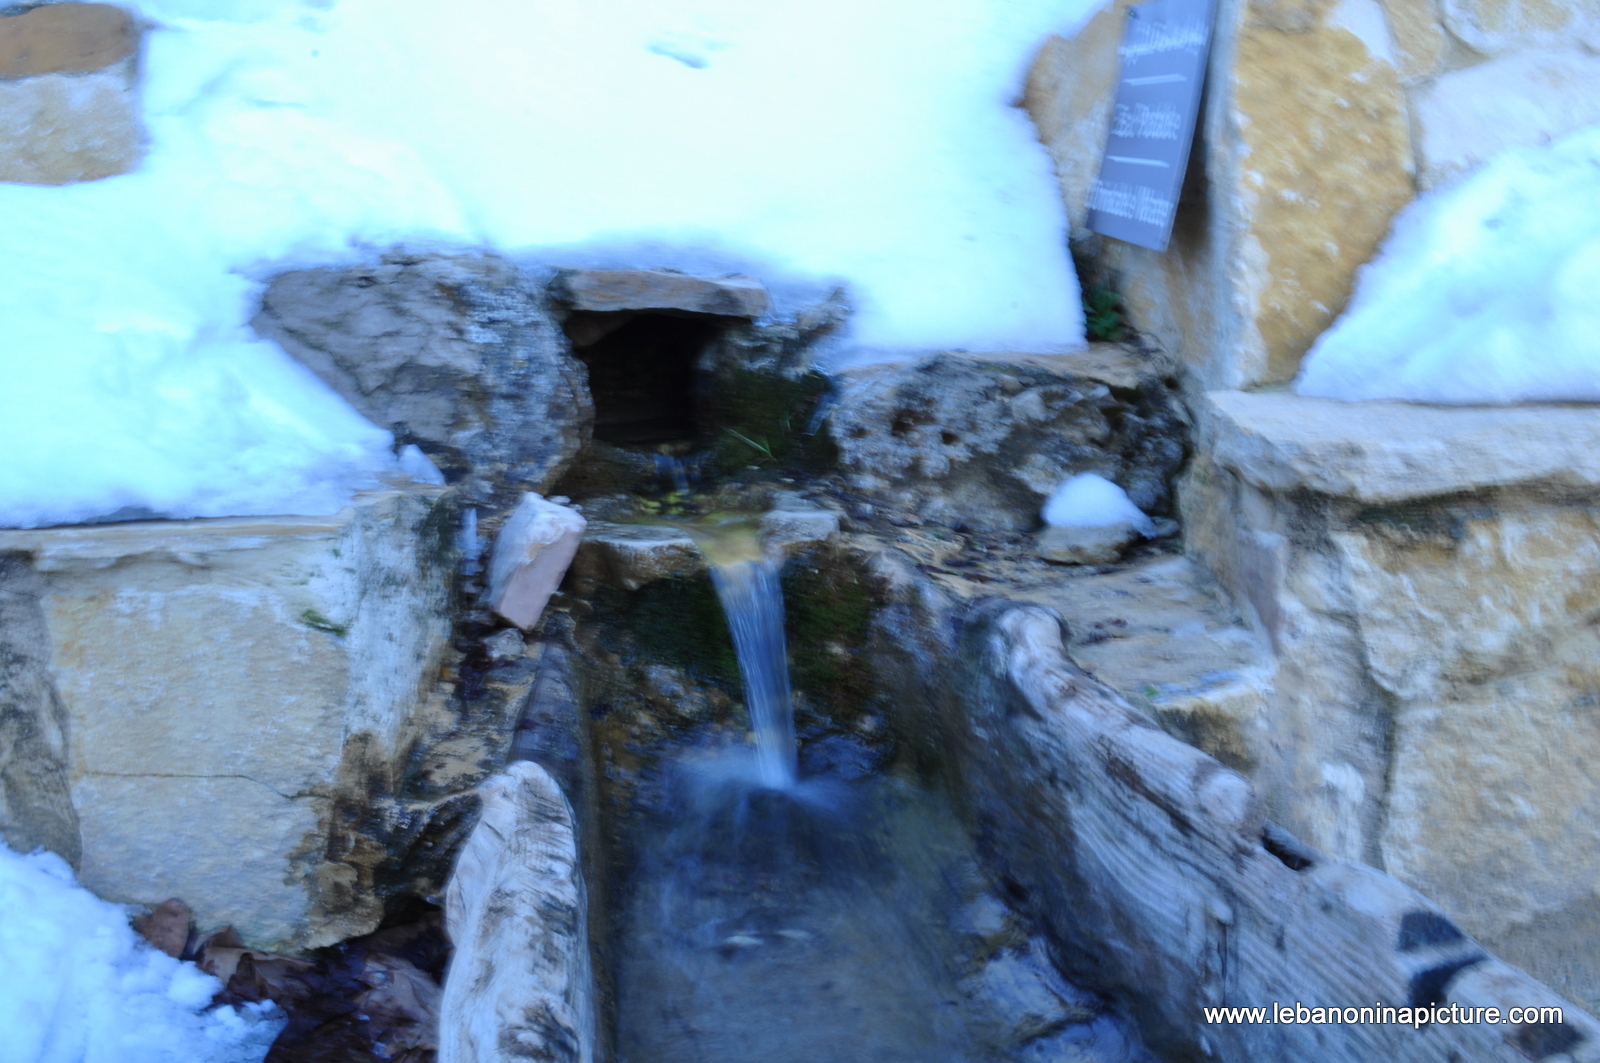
x,y
531,554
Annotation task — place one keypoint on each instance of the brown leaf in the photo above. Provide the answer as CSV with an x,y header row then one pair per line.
x,y
167,928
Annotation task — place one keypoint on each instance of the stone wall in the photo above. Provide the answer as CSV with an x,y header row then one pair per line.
x,y
212,709
1155,870
1427,579
69,104
1321,120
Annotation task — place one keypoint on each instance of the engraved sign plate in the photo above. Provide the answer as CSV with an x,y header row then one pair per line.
x,y
1164,46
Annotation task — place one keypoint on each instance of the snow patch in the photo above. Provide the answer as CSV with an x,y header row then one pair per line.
x,y
1484,293
1091,501
77,985
814,142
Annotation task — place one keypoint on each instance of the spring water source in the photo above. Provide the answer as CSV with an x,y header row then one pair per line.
x,y
753,600
774,915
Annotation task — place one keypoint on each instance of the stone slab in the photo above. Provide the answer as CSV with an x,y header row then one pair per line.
x,y
648,289
1379,452
230,847
283,662
65,39
58,129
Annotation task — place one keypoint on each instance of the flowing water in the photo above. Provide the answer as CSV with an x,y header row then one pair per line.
x,y
772,916
753,600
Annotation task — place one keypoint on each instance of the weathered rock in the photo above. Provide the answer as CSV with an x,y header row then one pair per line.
x,y
520,984
69,108
1027,994
1420,42
1421,574
1305,157
1532,97
1496,26
531,553
1099,545
630,555
1069,94
457,355
1158,879
609,290
793,524
36,807
981,442
237,694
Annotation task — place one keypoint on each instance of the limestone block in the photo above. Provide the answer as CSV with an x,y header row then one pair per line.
x,y
1420,42
1528,97
226,683
1462,597
69,109
520,984
652,289
231,847
983,442
1376,452
531,553
1327,162
630,555
1304,157
457,355
1427,577
1493,27
1494,809
793,525
1068,95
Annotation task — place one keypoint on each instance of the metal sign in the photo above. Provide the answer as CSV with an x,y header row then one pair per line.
x,y
1164,46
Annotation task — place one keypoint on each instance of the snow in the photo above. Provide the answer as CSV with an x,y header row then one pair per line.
x,y
1484,293
77,985
1091,501
806,142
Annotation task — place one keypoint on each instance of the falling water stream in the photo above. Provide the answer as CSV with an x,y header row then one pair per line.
x,y
753,600
826,915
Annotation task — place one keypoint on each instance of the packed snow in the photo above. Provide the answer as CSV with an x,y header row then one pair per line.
x,y
1091,501
77,985
807,142
1487,291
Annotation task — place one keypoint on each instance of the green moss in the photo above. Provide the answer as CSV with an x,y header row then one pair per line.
x,y
762,418
676,621
315,620
828,615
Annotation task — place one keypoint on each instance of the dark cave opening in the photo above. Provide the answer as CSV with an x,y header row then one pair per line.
x,y
644,373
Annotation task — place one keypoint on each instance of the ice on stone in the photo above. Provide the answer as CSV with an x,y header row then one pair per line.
x,y
1091,501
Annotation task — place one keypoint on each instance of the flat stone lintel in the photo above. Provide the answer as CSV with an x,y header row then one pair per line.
x,y
650,289
188,541
1384,452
